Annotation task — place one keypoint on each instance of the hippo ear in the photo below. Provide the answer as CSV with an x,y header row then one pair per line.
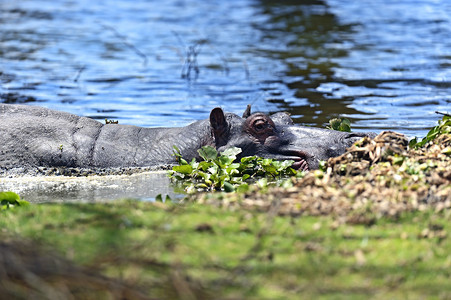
x,y
247,112
219,126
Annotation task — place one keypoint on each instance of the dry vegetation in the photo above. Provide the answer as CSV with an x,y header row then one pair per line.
x,y
374,178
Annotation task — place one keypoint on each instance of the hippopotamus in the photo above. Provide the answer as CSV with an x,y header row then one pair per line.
x,y
36,137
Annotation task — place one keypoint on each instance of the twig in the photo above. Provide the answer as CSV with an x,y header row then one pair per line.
x,y
77,76
190,63
442,113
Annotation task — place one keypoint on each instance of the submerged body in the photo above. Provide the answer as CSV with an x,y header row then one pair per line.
x,y
32,137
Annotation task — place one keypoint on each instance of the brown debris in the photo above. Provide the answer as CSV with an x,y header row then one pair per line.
x,y
368,151
374,178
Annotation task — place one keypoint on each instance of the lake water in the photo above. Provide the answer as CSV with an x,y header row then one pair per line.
x,y
386,65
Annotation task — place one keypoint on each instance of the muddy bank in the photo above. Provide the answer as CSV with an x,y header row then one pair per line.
x,y
374,178
76,171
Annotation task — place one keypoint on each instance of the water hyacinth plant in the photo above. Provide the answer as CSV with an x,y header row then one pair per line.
x,y
340,124
443,127
10,200
221,172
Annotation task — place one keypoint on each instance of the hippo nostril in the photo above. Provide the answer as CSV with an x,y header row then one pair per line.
x,y
300,165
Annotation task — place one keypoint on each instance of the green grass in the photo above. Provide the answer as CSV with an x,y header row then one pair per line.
x,y
166,250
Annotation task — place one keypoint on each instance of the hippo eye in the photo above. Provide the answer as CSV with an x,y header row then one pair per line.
x,y
260,125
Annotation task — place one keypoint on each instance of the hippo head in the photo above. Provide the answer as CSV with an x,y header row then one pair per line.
x,y
257,134
278,138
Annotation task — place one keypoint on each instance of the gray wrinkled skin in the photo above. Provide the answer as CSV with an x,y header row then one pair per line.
x,y
35,138
38,137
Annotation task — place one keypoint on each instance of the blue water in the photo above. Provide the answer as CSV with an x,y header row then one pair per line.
x,y
383,64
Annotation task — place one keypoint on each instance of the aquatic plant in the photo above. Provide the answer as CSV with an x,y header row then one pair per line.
x,y
10,200
111,121
340,124
220,171
443,127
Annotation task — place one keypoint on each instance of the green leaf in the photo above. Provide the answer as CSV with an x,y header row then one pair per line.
x,y
262,182
242,188
334,123
205,176
213,169
270,169
232,171
176,151
228,187
266,162
340,124
202,186
283,165
223,178
23,203
231,152
413,142
287,163
344,127
9,200
208,153
9,197
224,161
203,165
183,169
248,159
178,156
345,121
234,166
